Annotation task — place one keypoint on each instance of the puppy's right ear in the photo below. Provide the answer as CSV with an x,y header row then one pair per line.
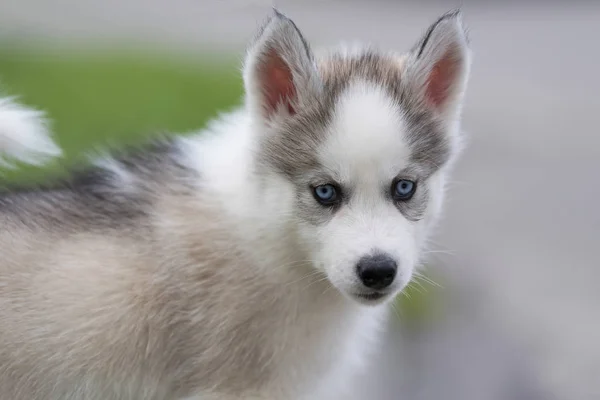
x,y
279,72
437,70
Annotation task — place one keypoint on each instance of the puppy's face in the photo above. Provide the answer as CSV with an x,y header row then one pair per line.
x,y
359,144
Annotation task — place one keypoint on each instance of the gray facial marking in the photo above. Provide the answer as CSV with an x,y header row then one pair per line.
x,y
292,145
414,208
310,211
427,139
425,134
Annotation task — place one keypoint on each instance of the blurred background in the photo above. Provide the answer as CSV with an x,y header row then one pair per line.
x,y
515,311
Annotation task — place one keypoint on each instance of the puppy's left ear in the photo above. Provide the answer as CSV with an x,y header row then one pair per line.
x,y
436,71
279,72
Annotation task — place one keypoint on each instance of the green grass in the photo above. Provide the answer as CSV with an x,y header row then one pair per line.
x,y
418,303
94,100
116,98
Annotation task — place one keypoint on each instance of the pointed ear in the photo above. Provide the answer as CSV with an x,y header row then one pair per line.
x,y
437,69
279,72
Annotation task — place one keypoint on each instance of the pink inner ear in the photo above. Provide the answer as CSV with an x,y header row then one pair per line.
x,y
440,80
277,82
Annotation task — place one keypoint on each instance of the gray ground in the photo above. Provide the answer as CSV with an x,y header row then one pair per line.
x,y
522,223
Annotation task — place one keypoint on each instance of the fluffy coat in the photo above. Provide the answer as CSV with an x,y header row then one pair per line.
x,y
202,267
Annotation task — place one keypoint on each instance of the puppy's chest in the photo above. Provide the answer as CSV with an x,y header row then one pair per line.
x,y
321,359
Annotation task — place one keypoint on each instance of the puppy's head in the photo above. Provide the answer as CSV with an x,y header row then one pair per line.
x,y
355,147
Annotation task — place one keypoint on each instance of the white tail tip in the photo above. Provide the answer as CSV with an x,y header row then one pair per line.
x,y
24,135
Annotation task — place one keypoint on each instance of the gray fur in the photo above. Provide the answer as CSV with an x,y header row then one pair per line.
x,y
95,198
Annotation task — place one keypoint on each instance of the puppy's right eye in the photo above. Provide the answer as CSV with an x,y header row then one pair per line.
x,y
403,189
325,194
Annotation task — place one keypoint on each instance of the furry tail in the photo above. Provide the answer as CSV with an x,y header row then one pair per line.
x,y
24,135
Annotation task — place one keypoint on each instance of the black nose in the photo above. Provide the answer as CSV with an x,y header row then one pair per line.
x,y
377,271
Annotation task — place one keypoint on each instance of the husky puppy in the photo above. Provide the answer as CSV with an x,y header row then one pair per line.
x,y
254,260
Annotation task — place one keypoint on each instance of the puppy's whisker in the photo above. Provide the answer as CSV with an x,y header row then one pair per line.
x,y
322,279
417,276
414,283
396,310
310,275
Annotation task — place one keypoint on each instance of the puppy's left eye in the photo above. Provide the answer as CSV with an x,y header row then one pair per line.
x,y
403,189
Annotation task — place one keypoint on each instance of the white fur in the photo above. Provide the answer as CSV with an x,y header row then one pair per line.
x,y
24,134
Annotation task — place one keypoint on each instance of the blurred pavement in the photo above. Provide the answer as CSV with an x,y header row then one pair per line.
x,y
523,220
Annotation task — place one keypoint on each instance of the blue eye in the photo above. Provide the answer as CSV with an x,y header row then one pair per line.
x,y
404,189
325,194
